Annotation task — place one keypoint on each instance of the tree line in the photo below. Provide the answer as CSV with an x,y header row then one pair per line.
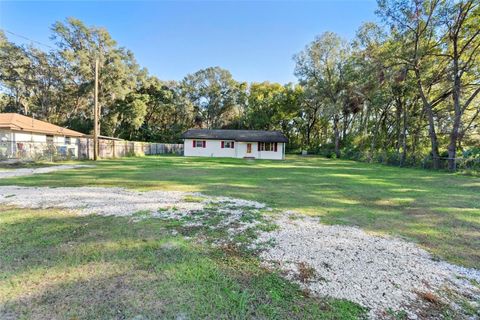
x,y
405,90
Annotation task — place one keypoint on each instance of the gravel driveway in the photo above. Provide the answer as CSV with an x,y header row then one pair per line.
x,y
29,171
380,273
115,201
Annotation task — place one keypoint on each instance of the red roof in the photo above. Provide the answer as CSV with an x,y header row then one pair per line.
x,y
18,122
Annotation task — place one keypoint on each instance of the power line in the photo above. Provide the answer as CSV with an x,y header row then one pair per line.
x,y
28,39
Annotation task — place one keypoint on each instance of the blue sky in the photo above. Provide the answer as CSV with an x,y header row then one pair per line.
x,y
254,40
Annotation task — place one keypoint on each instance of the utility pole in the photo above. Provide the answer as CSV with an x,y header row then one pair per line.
x,y
96,113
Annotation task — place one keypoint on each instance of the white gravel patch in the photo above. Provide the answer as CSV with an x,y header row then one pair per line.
x,y
193,209
29,171
376,272
96,200
123,202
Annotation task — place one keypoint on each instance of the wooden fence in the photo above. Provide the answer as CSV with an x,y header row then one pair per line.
x,y
120,148
82,149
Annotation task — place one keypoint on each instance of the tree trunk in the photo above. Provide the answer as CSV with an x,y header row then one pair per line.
x,y
398,125
307,142
431,123
376,129
433,139
403,157
452,147
336,120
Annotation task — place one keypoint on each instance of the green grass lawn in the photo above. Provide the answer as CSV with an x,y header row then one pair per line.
x,y
57,265
439,211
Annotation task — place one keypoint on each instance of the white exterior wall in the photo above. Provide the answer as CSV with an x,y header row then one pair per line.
x,y
278,155
272,155
29,144
16,136
29,137
213,148
242,150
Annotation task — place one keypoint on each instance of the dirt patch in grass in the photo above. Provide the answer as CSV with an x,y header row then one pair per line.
x,y
429,297
306,273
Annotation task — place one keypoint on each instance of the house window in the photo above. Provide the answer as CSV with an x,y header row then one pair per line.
x,y
267,146
68,140
199,144
49,139
228,144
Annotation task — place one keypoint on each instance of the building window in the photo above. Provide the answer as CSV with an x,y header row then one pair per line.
x,y
199,144
267,146
50,139
228,144
68,140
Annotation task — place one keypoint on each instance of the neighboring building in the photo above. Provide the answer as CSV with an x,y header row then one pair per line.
x,y
25,137
254,144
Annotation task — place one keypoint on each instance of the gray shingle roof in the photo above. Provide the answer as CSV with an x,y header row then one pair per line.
x,y
236,135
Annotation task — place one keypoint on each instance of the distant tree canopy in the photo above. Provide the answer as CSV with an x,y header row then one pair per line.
x,y
402,91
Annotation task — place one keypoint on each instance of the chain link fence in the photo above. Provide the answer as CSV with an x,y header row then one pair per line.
x,y
82,149
461,164
468,162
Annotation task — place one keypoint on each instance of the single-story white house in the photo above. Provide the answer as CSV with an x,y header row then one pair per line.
x,y
250,144
22,136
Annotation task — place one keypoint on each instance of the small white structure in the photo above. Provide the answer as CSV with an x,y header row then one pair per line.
x,y
249,144
23,137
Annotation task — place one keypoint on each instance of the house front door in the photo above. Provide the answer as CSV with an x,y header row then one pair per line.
x,y
249,148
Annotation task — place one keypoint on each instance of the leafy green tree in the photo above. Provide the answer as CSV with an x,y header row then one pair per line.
x,y
439,42
414,25
460,20
215,96
169,113
265,100
320,67
79,47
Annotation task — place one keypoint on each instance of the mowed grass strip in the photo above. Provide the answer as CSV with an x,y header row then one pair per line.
x,y
440,211
58,265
